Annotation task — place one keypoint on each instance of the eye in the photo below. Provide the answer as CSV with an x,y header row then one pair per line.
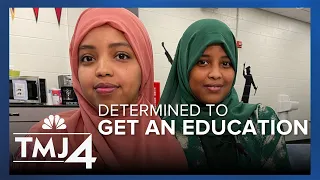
x,y
202,62
122,56
226,64
87,58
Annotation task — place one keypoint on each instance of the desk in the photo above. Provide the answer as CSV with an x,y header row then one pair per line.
x,y
23,117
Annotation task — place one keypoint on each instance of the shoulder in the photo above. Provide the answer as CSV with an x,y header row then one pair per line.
x,y
47,124
265,120
263,112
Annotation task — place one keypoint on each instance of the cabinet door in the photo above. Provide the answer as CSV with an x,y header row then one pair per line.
x,y
23,118
18,127
33,113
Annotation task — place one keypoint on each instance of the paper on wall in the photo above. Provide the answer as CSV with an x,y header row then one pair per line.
x,y
20,89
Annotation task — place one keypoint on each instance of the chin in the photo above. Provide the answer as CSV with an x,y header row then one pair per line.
x,y
213,101
101,107
106,103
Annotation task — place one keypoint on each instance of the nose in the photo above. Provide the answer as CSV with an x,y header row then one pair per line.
x,y
105,67
215,73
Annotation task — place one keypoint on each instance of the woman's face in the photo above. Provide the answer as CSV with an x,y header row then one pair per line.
x,y
109,72
212,77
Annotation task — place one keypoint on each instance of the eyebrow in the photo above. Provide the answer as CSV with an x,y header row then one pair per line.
x,y
205,55
86,47
222,57
225,57
112,45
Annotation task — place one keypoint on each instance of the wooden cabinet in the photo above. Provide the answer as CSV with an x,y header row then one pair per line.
x,y
23,118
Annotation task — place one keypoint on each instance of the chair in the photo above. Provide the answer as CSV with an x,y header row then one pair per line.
x,y
299,156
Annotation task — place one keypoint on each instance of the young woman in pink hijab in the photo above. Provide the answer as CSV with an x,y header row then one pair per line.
x,y
112,63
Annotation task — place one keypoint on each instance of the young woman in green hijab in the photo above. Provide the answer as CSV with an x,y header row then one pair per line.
x,y
204,72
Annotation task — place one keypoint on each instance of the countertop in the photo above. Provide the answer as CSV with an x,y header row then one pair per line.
x,y
42,105
299,141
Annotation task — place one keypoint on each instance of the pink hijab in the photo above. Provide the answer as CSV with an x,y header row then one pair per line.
x,y
124,153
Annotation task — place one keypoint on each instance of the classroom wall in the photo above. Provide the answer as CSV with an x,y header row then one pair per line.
x,y
276,47
42,48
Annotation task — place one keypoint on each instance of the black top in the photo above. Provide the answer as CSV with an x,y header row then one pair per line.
x,y
221,152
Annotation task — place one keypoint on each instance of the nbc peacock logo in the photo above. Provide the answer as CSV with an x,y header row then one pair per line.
x,y
56,122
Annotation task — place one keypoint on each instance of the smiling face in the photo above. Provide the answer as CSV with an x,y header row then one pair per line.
x,y
109,72
211,79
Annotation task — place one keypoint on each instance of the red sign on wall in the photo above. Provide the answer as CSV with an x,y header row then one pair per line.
x,y
58,13
239,44
36,13
156,93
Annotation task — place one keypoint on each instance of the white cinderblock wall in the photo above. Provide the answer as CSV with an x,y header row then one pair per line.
x,y
276,47
42,48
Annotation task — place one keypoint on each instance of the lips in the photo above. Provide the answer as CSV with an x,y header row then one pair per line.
x,y
214,87
105,88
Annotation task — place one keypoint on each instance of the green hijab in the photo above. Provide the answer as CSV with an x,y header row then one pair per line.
x,y
192,44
